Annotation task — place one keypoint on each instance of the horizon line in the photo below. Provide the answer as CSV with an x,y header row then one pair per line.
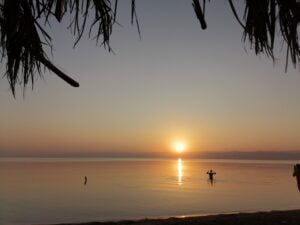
x,y
231,155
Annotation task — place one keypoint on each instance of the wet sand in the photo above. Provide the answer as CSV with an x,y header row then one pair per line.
x,y
290,217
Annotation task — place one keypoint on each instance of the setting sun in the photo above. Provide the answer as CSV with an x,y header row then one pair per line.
x,y
180,147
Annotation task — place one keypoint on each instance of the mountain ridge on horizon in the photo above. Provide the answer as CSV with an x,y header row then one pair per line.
x,y
244,155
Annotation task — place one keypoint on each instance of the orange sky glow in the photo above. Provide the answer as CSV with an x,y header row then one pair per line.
x,y
179,83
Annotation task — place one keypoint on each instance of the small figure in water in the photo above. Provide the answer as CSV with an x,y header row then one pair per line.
x,y
85,180
211,175
297,174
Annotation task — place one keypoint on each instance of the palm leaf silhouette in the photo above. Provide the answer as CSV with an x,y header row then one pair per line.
x,y
23,37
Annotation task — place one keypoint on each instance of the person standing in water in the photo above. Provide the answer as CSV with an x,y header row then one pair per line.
x,y
297,174
211,174
85,180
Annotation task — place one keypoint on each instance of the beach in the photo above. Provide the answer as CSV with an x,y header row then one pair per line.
x,y
289,217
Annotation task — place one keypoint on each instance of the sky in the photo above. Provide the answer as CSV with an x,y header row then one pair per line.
x,y
178,82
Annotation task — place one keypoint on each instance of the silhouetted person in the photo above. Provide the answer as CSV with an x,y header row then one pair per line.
x,y
297,174
211,175
85,180
211,181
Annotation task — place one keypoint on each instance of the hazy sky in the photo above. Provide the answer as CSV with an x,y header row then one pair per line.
x,y
178,82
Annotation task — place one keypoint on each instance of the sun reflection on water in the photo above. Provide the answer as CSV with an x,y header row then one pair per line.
x,y
180,171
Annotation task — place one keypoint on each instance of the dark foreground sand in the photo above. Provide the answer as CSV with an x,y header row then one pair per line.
x,y
291,217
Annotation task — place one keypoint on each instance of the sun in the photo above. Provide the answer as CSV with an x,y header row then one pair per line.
x,y
180,147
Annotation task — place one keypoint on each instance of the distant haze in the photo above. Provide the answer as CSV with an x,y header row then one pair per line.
x,y
247,155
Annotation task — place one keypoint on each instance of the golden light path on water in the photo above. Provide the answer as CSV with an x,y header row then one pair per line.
x,y
180,171
134,189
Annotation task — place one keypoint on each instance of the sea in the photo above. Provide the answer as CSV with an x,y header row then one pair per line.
x,y
54,190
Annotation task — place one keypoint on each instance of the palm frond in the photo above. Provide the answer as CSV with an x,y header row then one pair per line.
x,y
23,37
262,17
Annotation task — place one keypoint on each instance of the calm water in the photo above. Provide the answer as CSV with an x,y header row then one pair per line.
x,y
52,191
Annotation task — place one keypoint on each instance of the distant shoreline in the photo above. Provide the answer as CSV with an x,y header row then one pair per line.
x,y
288,217
201,155
128,159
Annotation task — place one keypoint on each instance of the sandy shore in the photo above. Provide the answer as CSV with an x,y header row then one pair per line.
x,y
290,217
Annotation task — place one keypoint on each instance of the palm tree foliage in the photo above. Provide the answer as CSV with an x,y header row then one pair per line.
x,y
23,37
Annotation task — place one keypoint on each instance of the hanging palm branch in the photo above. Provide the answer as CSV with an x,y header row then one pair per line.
x,y
23,37
262,17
